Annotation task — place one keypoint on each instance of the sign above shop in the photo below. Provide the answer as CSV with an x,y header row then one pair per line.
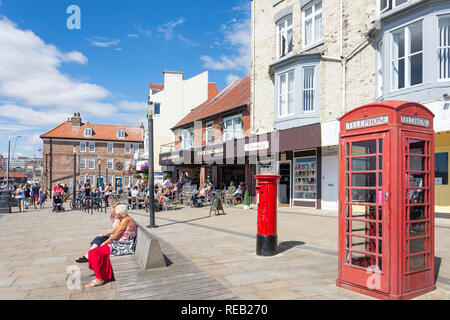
x,y
171,157
210,152
365,123
256,146
415,121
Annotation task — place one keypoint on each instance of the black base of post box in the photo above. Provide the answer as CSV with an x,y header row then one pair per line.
x,y
266,245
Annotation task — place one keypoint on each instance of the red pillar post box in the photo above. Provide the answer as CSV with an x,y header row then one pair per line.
x,y
386,200
266,191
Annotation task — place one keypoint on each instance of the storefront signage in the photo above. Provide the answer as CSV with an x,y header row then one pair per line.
x,y
256,146
210,152
365,123
171,157
415,121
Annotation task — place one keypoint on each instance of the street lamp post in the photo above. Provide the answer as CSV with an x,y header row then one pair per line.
x,y
151,174
7,164
99,172
74,186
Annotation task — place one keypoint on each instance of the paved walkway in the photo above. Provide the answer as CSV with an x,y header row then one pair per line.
x,y
37,247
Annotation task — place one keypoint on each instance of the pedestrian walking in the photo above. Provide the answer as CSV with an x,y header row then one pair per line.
x,y
20,196
35,194
27,192
42,197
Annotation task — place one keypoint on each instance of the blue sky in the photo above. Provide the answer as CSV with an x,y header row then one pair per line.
x,y
103,69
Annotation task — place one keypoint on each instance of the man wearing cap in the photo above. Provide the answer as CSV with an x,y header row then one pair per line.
x,y
58,189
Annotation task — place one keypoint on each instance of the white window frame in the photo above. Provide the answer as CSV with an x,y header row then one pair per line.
x,y
312,89
313,17
91,144
440,48
110,146
135,148
110,164
125,180
91,180
82,179
232,134
89,164
379,66
127,148
83,146
83,163
280,112
390,4
209,133
121,134
407,55
88,132
283,29
187,139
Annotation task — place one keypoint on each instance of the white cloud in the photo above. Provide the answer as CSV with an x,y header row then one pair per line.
x,y
167,29
103,42
188,42
141,31
231,78
133,35
237,35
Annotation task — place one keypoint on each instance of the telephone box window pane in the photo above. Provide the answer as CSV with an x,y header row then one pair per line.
x,y
364,164
380,179
362,260
416,196
417,229
380,213
347,180
367,196
416,262
347,243
364,180
380,264
363,212
348,211
417,180
347,226
348,149
417,163
416,146
417,213
380,163
363,229
380,247
380,146
364,147
380,230
363,244
348,164
417,245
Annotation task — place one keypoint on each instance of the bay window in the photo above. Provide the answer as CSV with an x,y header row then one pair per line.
x,y
312,23
385,5
285,43
407,57
444,48
308,89
286,93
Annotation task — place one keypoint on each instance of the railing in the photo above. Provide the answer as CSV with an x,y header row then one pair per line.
x,y
168,147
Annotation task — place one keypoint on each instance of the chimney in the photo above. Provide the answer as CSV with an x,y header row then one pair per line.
x,y
76,120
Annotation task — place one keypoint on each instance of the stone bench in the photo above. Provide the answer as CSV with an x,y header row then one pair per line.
x,y
147,253
151,275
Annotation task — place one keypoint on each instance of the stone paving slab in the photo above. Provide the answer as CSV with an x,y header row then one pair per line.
x,y
33,265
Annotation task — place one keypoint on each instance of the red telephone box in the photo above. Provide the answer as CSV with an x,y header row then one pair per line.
x,y
386,200
266,192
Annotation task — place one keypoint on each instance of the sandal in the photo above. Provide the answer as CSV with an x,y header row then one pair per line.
x,y
95,283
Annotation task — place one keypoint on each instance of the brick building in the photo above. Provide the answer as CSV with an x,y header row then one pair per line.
x,y
315,60
109,149
210,140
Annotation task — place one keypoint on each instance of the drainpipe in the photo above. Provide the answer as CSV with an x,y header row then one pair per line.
x,y
344,61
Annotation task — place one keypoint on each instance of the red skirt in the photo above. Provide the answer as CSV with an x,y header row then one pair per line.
x,y
100,263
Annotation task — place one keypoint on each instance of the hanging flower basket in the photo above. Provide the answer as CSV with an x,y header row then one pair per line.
x,y
191,132
180,138
220,125
239,120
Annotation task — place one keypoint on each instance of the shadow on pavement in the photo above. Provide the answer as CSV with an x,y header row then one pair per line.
x,y
437,267
286,245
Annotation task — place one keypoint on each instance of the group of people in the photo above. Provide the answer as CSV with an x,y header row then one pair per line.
x,y
30,195
117,241
205,193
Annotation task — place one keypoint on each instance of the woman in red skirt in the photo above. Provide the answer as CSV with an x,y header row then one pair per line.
x,y
119,244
